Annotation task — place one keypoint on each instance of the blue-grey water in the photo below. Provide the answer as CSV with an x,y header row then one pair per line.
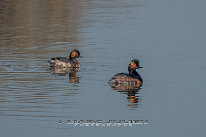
x,y
167,36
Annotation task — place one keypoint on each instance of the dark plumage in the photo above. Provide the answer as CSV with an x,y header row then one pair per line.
x,y
131,78
63,62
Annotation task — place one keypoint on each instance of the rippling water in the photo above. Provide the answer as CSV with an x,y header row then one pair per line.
x,y
168,37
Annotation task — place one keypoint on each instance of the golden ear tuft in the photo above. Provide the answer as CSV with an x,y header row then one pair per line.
x,y
132,65
74,54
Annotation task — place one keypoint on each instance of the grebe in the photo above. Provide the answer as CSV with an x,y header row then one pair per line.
x,y
131,78
63,62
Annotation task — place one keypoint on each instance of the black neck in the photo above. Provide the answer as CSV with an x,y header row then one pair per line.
x,y
71,58
134,72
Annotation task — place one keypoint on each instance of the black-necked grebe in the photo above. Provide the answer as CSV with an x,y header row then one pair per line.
x,y
63,62
131,78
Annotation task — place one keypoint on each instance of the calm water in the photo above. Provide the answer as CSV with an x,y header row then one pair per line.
x,y
167,36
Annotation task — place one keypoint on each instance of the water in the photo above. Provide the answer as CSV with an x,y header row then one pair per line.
x,y
168,37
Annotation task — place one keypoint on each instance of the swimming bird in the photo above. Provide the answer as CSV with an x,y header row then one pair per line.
x,y
131,78
63,62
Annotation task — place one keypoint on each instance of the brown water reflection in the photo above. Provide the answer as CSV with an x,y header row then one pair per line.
x,y
66,71
33,31
30,33
167,36
131,91
33,26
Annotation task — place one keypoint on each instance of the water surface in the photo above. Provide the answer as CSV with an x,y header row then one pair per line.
x,y
168,37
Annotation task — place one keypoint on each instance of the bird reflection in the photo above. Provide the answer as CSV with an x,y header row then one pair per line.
x,y
72,76
130,90
66,71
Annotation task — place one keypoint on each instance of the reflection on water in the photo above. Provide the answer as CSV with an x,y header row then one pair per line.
x,y
33,31
72,76
130,90
66,71
38,27
30,33
168,36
